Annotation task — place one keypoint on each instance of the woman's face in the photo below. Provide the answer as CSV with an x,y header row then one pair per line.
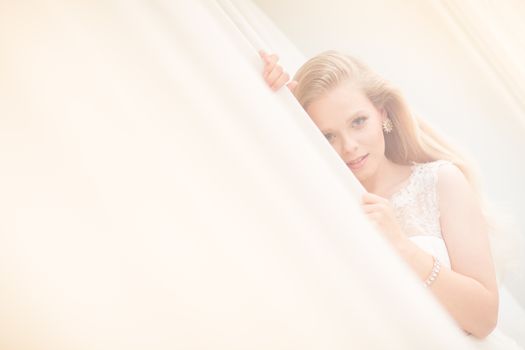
x,y
353,126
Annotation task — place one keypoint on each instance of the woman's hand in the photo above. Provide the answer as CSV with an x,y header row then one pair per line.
x,y
273,74
381,213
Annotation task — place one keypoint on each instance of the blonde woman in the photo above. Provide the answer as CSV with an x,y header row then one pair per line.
x,y
421,193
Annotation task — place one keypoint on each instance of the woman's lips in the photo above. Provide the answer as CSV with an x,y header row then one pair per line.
x,y
358,164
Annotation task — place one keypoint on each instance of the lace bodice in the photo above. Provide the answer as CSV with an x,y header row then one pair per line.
x,y
417,209
416,204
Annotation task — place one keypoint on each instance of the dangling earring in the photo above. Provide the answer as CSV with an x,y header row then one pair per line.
x,y
388,125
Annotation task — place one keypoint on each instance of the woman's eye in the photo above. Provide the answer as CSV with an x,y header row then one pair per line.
x,y
329,137
359,121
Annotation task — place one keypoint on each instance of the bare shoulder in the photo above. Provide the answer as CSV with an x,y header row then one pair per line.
x,y
458,204
451,182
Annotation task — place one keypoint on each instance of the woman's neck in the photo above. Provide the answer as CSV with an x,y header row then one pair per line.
x,y
388,177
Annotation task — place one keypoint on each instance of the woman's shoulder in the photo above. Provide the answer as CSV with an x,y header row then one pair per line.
x,y
435,169
439,169
447,171
441,174
450,181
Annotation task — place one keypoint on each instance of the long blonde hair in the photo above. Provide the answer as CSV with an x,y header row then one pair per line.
x,y
412,139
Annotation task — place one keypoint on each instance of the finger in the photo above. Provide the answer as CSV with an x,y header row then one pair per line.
x,y
268,67
274,75
368,197
270,61
372,208
273,58
377,210
292,85
280,81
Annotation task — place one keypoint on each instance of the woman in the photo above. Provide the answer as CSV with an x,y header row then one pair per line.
x,y
420,193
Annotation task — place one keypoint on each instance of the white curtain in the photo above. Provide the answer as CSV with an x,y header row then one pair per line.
x,y
495,30
156,194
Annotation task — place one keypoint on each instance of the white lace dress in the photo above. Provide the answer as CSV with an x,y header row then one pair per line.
x,y
417,210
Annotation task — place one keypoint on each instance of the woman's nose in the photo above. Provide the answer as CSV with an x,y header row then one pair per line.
x,y
349,145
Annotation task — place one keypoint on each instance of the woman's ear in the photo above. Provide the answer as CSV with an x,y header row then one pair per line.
x,y
384,114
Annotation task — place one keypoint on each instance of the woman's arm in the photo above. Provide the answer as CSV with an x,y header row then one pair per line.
x,y
469,289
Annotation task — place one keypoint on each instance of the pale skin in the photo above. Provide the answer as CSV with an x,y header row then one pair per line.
x,y
352,124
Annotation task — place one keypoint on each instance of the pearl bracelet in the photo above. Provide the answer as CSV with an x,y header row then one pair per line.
x,y
434,273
